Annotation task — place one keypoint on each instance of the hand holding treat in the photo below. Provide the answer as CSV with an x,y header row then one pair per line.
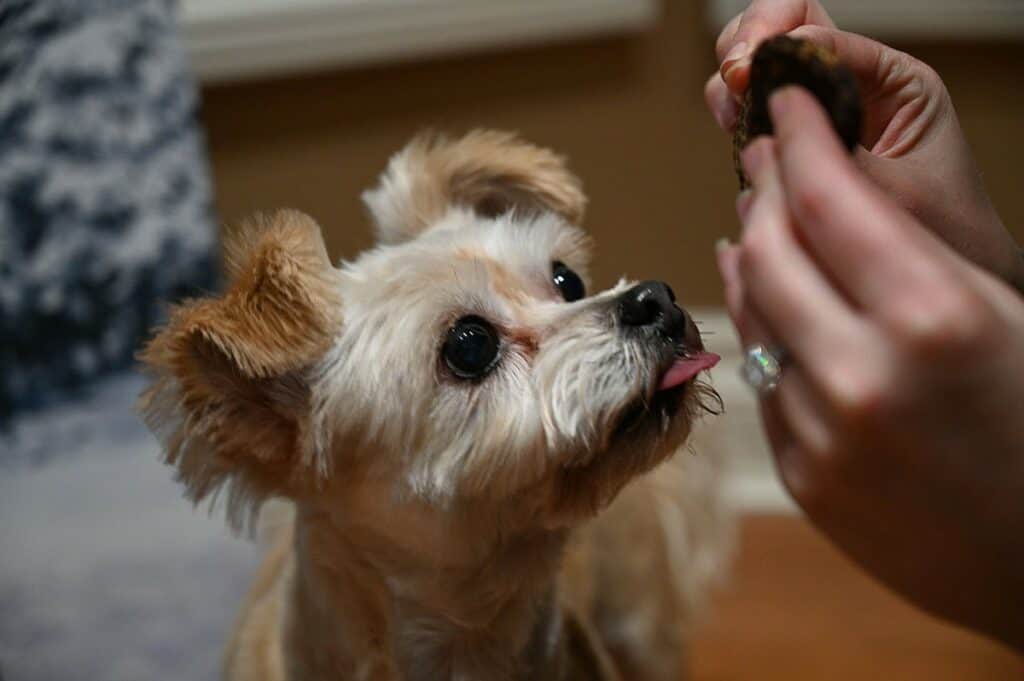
x,y
895,409
911,142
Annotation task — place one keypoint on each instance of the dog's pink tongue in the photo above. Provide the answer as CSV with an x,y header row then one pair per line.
x,y
686,368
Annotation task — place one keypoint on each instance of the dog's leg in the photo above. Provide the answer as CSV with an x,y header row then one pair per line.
x,y
254,652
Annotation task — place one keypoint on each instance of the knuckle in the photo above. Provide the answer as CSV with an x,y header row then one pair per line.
x,y
920,78
860,399
927,74
946,321
754,252
810,202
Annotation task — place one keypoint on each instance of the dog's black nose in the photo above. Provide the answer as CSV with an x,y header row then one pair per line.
x,y
652,303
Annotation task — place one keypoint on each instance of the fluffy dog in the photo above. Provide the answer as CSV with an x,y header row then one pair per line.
x,y
445,416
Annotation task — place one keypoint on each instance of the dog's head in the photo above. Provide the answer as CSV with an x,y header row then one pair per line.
x,y
461,361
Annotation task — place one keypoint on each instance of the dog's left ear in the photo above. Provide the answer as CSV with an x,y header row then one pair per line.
x,y
487,171
231,399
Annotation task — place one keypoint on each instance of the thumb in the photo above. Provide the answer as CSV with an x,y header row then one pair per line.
x,y
763,19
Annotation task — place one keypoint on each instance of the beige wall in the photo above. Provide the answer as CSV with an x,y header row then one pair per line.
x,y
628,112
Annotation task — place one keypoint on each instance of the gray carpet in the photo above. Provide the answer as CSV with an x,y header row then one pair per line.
x,y
106,572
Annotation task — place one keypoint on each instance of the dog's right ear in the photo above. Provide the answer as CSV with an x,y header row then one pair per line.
x,y
231,399
487,171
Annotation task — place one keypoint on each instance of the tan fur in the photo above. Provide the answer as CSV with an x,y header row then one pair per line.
x,y
631,599
254,651
486,170
437,527
227,402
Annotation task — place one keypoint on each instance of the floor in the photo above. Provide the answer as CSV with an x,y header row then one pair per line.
x,y
796,609
106,573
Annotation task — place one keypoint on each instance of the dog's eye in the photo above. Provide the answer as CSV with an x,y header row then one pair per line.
x,y
471,348
567,281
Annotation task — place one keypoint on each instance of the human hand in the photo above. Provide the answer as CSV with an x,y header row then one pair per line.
x,y
898,424
913,146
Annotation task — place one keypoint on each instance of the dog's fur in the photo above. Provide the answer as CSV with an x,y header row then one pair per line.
x,y
436,527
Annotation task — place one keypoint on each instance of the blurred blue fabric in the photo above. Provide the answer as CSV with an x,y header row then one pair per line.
x,y
105,200
106,572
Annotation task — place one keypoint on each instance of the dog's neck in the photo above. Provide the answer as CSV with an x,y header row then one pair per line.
x,y
416,598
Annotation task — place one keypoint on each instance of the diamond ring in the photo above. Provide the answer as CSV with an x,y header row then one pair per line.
x,y
762,368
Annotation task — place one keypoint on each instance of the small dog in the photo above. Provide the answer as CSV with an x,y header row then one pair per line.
x,y
444,415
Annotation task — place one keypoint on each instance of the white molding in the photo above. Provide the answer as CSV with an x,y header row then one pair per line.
x,y
758,494
236,39
910,19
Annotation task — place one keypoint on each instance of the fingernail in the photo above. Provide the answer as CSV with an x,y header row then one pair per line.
x,y
736,78
738,51
722,245
732,68
743,202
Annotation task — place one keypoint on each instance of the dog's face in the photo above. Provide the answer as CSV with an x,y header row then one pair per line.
x,y
461,362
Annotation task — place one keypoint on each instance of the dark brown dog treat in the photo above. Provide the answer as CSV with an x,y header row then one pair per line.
x,y
789,61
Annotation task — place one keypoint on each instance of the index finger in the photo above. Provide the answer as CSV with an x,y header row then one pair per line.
x,y
870,246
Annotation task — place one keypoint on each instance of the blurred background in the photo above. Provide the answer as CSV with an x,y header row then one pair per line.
x,y
626,107
131,130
